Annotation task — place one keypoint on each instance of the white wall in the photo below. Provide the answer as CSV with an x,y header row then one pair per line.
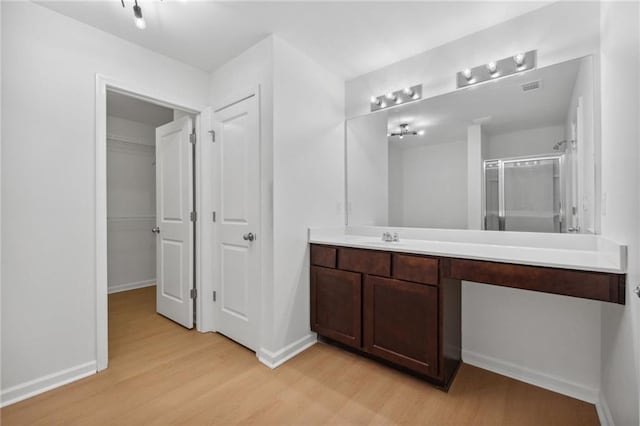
x,y
524,142
560,31
476,147
48,182
1,182
620,68
302,159
557,39
396,185
432,183
368,170
308,179
131,207
583,91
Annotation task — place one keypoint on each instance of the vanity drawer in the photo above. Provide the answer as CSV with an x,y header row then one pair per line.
x,y
366,261
323,256
418,269
588,285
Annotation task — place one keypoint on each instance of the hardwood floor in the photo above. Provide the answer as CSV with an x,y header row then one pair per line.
x,y
160,373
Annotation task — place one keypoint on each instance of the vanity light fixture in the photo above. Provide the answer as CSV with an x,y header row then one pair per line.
x,y
390,99
517,63
404,131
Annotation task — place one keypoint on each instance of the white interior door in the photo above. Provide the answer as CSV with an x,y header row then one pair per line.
x,y
237,153
174,229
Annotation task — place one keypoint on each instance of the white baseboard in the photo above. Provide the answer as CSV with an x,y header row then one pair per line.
x,y
131,286
42,384
604,415
536,378
276,359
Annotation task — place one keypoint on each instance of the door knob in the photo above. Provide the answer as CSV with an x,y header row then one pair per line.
x,y
249,237
637,290
155,229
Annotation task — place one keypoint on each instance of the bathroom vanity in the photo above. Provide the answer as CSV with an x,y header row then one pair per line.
x,y
495,185
400,302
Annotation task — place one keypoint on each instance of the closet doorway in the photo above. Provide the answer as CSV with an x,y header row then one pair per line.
x,y
150,200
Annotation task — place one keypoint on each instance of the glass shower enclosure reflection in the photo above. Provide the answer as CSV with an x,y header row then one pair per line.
x,y
524,194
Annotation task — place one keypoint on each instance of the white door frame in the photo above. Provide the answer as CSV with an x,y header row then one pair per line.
x,y
160,97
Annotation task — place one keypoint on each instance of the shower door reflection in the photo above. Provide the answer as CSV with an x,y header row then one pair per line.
x,y
524,194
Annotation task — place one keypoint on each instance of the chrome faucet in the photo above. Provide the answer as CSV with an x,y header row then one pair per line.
x,y
387,237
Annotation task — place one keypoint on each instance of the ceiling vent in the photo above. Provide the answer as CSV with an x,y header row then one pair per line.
x,y
532,85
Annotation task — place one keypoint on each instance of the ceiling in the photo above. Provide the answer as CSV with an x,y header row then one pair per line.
x,y
500,107
129,108
348,38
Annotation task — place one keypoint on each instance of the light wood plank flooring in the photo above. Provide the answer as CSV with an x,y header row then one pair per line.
x,y
160,373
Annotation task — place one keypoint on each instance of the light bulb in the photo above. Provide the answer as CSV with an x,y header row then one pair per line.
x,y
390,96
420,132
492,67
467,73
519,59
140,23
398,100
407,91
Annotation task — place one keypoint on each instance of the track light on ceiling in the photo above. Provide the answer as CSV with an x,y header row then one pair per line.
x,y
138,19
404,131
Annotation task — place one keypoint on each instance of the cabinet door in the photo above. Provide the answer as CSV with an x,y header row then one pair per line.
x,y
336,305
401,323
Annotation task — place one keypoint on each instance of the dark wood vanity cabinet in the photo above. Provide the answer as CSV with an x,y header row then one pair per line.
x,y
405,308
401,323
336,305
389,306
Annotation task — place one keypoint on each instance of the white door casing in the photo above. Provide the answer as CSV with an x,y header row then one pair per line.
x,y
174,203
237,240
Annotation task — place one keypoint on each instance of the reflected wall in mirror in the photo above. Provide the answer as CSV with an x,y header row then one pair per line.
x,y
515,154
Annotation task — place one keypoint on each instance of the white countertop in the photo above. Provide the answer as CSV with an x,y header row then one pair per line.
x,y
567,251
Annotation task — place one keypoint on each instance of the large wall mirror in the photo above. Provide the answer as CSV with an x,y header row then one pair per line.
x,y
514,154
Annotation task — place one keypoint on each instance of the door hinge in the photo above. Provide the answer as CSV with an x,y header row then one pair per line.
x,y
194,293
213,135
213,216
214,295
192,138
194,216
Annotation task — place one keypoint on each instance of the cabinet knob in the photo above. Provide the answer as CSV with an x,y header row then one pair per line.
x,y
155,230
637,290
